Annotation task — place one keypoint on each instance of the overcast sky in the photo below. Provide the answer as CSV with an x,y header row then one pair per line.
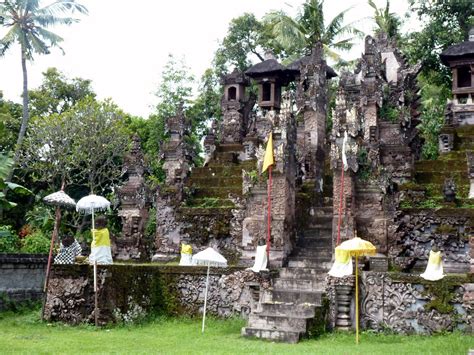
x,y
122,46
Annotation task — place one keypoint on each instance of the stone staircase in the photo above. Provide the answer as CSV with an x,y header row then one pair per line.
x,y
296,306
207,209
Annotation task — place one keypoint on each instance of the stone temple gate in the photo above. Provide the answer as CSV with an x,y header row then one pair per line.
x,y
388,195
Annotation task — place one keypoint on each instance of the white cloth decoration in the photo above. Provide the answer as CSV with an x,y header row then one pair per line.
x,y
261,259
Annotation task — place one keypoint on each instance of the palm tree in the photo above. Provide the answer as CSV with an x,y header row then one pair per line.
x,y
298,35
26,22
387,22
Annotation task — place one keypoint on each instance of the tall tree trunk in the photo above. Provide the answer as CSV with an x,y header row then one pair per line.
x,y
26,116
24,122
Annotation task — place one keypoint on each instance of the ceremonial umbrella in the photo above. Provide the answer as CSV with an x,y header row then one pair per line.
x,y
356,247
89,205
208,257
58,199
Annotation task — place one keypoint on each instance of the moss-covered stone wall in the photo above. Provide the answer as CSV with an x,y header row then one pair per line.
x,y
406,303
127,293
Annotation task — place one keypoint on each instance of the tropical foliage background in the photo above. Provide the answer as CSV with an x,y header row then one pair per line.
x,y
62,135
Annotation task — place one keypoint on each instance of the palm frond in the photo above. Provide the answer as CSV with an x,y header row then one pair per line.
x,y
63,6
51,37
287,32
328,52
51,20
38,45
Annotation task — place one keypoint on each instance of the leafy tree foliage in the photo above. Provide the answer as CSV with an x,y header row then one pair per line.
x,y
57,94
386,21
206,107
27,25
446,22
10,120
298,35
247,38
6,186
175,91
432,115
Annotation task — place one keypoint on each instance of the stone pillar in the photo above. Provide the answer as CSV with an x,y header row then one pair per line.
x,y
470,171
347,221
343,307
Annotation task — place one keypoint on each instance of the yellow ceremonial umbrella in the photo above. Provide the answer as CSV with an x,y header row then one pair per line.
x,y
356,247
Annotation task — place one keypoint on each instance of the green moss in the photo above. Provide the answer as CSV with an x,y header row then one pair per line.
x,y
319,324
446,229
443,293
411,186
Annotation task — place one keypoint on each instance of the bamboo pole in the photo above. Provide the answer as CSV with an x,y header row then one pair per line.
x,y
95,294
50,259
205,298
357,300
341,196
269,211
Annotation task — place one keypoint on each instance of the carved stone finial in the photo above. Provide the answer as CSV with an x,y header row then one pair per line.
x,y
449,190
471,34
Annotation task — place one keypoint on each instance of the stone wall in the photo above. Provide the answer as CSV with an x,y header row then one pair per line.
x,y
418,230
130,292
21,277
406,303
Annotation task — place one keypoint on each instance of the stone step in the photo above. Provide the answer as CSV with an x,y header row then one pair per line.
x,y
297,296
205,211
453,155
322,226
272,322
316,233
436,177
440,165
225,157
227,170
216,180
311,285
220,192
302,261
315,241
209,203
229,148
276,335
302,273
286,309
324,250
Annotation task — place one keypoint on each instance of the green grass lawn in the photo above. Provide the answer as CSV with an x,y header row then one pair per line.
x,y
25,333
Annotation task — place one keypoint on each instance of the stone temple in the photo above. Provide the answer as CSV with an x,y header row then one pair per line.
x,y
386,194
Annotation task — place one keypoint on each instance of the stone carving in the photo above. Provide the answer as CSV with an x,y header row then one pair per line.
x,y
449,190
417,233
446,142
134,205
175,152
401,305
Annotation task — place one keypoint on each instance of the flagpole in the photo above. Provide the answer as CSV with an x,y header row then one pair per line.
x,y
269,212
341,196
357,301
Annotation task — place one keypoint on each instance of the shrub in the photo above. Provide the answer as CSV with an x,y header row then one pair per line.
x,y
35,243
9,241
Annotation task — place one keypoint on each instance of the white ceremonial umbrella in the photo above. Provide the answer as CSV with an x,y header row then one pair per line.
x,y
208,257
89,205
92,203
